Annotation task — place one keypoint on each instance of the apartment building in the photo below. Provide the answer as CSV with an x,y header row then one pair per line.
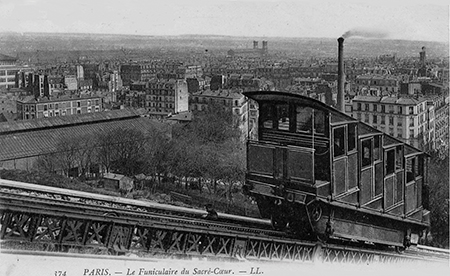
x,y
165,96
232,100
441,124
146,71
132,72
410,119
8,71
30,107
377,85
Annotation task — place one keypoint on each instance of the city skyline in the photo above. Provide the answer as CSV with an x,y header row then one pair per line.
x,y
250,18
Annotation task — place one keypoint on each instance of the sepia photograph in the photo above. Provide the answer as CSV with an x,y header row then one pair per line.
x,y
224,137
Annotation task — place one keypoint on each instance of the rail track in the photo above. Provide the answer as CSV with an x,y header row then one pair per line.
x,y
21,202
54,219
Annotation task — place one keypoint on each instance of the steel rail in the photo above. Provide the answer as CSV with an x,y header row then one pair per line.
x,y
49,206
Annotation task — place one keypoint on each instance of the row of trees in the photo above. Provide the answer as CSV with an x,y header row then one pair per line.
x,y
208,149
127,151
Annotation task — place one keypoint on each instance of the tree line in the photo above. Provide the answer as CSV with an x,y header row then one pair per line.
x,y
207,151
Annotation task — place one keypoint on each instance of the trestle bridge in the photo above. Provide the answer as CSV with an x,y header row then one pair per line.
x,y
41,218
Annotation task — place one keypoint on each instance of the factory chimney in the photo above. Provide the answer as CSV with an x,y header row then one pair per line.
x,y
341,76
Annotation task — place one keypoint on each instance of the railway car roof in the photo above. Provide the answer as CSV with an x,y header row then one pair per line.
x,y
289,97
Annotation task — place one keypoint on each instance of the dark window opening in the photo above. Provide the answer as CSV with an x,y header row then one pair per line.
x,y
399,158
267,115
390,161
305,116
283,116
420,166
366,152
376,148
304,119
351,137
410,169
319,121
338,141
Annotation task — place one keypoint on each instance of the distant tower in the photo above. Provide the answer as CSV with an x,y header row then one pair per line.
x,y
264,46
255,44
422,72
423,57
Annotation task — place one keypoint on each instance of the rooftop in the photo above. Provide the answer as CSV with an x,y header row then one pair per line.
x,y
32,99
376,77
114,176
33,142
184,116
7,58
62,121
389,100
222,93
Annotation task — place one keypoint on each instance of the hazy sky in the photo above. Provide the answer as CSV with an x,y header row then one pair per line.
x,y
262,18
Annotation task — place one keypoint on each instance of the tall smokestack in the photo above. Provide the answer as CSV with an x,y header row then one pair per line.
x,y
341,76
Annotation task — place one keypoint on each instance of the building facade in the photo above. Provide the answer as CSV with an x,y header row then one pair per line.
x,y
233,101
71,82
376,85
411,120
162,96
30,108
8,71
138,72
115,81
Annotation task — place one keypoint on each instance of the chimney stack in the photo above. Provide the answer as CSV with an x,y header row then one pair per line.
x,y
341,76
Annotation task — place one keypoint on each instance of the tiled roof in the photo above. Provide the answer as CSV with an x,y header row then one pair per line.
x,y
391,100
182,116
114,176
225,93
410,101
388,100
32,99
33,143
363,98
7,58
26,125
376,77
